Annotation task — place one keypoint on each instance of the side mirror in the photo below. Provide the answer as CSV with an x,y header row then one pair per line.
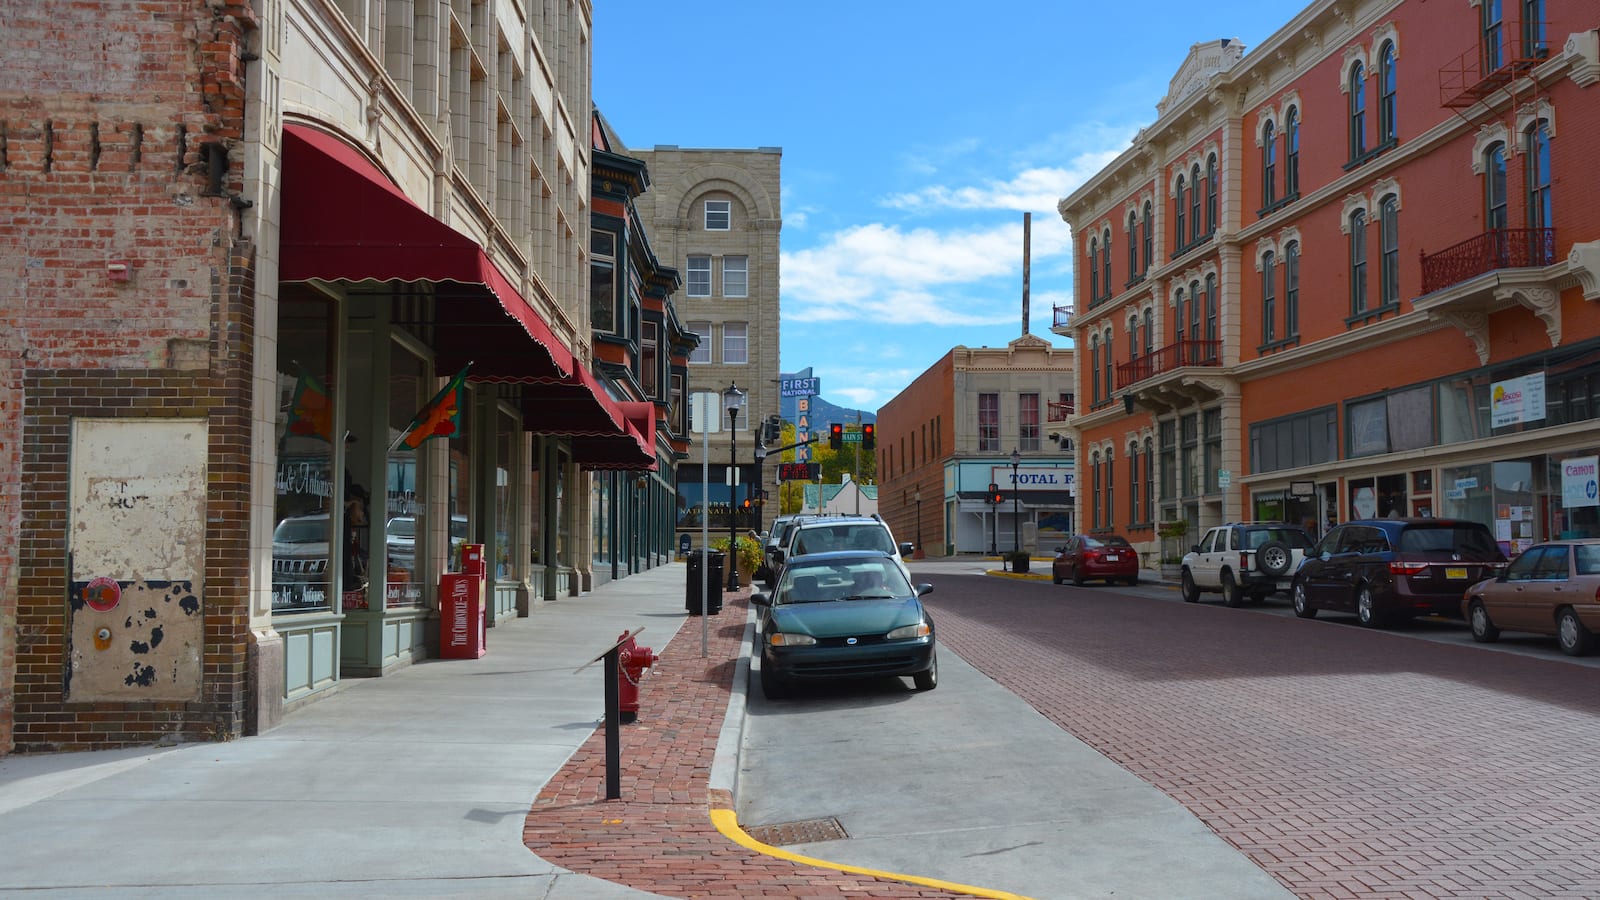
x,y
924,588
1195,548
759,599
777,555
907,548
1060,550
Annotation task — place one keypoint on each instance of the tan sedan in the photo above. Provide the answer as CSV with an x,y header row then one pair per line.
x,y
1552,588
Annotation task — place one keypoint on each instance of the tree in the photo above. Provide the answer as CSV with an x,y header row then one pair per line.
x,y
834,465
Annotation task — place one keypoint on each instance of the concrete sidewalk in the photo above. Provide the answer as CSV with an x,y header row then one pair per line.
x,y
415,784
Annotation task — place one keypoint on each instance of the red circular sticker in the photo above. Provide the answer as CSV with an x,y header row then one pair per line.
x,y
102,594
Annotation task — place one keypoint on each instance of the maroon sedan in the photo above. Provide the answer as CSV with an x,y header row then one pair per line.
x,y
1107,556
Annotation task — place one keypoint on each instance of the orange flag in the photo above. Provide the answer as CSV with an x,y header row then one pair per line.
x,y
441,417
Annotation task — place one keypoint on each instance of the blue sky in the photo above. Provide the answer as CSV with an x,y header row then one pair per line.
x,y
914,137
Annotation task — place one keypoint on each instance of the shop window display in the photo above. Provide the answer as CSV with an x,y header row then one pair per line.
x,y
302,574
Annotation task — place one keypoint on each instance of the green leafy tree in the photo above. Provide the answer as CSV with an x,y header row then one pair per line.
x,y
834,465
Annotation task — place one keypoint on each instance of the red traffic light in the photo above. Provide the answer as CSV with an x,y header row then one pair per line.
x,y
994,494
835,435
869,437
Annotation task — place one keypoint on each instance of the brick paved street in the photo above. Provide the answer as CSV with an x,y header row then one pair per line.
x,y
1346,762
659,836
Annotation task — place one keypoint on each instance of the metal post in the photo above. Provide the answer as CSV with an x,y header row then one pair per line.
x,y
1016,516
613,728
919,523
733,400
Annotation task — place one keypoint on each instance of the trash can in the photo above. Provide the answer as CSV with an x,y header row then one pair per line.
x,y
709,562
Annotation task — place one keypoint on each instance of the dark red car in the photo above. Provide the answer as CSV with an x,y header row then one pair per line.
x,y
1106,556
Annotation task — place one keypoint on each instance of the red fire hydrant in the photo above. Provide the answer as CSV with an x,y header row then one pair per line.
x,y
632,660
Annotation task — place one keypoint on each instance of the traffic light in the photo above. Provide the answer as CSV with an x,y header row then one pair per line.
x,y
994,494
869,439
835,435
774,429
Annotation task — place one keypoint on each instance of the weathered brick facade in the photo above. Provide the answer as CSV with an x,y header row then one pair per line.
x,y
126,290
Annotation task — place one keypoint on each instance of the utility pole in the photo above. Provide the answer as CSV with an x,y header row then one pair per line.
x,y
857,474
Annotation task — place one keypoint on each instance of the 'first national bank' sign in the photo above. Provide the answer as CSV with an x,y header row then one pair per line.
x,y
1038,478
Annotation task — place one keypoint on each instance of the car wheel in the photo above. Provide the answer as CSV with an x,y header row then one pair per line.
x,y
1483,630
1275,558
1133,581
1077,576
773,687
1191,591
928,680
1054,578
1366,608
1302,603
1231,594
1574,638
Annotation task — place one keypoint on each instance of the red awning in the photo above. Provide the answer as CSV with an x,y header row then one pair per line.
x,y
635,449
344,220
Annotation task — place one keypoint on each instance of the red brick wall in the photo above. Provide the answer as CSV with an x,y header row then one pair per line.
x,y
104,114
928,400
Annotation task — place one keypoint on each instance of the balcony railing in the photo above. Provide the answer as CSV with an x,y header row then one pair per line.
x,y
1503,248
1183,352
1058,412
1063,314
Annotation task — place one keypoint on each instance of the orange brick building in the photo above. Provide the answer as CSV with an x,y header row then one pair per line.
x,y
1350,273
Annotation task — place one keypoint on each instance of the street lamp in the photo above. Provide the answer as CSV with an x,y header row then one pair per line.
x,y
1016,520
732,401
918,497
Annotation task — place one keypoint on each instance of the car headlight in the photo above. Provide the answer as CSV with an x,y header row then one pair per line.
x,y
921,629
784,639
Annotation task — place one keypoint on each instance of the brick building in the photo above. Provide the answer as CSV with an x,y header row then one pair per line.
x,y
251,242
1349,273
950,434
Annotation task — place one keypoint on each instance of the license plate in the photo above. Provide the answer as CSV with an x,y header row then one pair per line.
x,y
1455,572
1112,557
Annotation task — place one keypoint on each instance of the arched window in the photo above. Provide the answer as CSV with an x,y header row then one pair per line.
x,y
1269,297
1493,42
1533,43
1291,289
1358,262
1211,194
1537,142
1291,152
1178,319
1194,310
1133,246
1177,209
1388,83
1194,204
1094,270
1389,242
1149,225
1133,483
1269,166
1358,112
1094,475
1149,332
1105,260
1494,187
1094,368
1133,336
1211,316
1106,345
1111,490
1149,479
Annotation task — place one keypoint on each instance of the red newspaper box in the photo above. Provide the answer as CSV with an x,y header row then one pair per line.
x,y
463,627
472,560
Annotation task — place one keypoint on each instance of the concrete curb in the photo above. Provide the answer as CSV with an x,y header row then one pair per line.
x,y
723,782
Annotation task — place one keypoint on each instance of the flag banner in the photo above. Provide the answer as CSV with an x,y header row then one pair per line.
x,y
311,409
440,418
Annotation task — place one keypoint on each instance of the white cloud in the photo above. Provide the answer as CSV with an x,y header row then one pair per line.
x,y
1033,189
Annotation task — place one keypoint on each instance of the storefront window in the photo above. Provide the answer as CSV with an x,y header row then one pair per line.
x,y
600,517
405,535
505,487
460,481
303,488
1575,507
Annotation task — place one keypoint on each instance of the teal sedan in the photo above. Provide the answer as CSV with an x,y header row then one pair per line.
x,y
844,615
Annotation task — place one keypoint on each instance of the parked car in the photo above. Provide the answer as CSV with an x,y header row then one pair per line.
x,y
1107,556
844,615
300,574
1551,589
821,534
1244,559
777,537
1381,569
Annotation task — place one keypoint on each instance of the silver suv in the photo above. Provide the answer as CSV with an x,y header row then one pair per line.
x,y
825,533
1245,559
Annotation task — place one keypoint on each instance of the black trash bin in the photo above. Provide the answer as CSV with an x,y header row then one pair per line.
x,y
710,562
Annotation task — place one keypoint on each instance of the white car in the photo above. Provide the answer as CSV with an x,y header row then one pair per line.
x,y
823,534
1245,559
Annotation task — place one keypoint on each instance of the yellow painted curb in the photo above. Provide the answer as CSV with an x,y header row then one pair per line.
x,y
727,822
1020,576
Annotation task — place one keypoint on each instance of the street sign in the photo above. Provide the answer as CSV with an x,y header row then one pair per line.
x,y
1224,478
851,437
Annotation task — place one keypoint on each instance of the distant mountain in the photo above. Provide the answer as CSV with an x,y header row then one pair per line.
x,y
823,412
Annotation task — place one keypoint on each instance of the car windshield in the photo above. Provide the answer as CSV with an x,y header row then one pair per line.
x,y
1445,541
402,528
1294,537
302,530
848,579
823,538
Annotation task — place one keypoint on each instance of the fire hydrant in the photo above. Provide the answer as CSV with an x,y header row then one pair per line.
x,y
632,661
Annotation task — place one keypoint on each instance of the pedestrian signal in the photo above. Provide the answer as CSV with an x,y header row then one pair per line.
x,y
994,493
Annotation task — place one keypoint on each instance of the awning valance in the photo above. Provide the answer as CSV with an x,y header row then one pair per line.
x,y
344,220
634,449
